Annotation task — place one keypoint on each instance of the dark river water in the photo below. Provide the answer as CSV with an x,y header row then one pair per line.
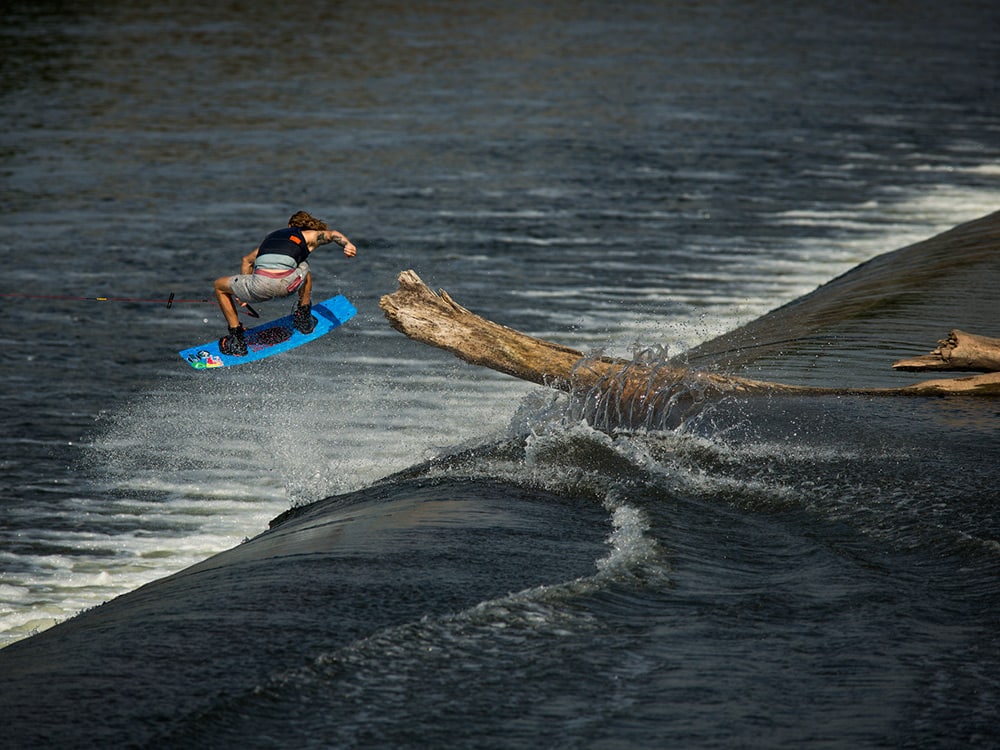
x,y
472,564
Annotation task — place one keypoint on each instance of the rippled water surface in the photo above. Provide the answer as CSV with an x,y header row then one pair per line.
x,y
786,572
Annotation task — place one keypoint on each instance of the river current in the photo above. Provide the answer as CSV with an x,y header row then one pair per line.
x,y
484,568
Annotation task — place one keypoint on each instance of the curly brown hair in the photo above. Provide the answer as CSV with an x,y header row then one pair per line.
x,y
303,220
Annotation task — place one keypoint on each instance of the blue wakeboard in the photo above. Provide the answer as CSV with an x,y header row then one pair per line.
x,y
272,338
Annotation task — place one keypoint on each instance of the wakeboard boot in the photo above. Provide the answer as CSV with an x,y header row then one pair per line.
x,y
234,344
303,319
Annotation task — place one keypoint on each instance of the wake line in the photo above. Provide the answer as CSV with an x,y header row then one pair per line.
x,y
74,298
169,302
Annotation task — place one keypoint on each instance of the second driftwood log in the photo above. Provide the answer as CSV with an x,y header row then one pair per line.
x,y
959,351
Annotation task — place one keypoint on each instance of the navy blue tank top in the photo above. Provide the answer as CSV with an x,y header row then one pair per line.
x,y
285,242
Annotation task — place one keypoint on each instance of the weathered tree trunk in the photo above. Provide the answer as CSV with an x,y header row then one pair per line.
x,y
960,351
439,321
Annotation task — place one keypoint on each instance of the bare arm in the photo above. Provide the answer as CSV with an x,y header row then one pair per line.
x,y
247,265
316,238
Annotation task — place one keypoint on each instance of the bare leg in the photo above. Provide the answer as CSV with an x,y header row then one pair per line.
x,y
302,319
225,296
305,291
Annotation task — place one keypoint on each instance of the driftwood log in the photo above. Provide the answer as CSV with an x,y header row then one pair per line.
x,y
959,351
437,320
633,387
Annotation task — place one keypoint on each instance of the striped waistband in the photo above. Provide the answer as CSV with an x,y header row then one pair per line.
x,y
271,274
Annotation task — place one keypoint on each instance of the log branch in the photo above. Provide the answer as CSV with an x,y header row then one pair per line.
x,y
973,385
439,321
424,316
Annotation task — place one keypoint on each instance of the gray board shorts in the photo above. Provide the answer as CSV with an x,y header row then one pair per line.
x,y
261,285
